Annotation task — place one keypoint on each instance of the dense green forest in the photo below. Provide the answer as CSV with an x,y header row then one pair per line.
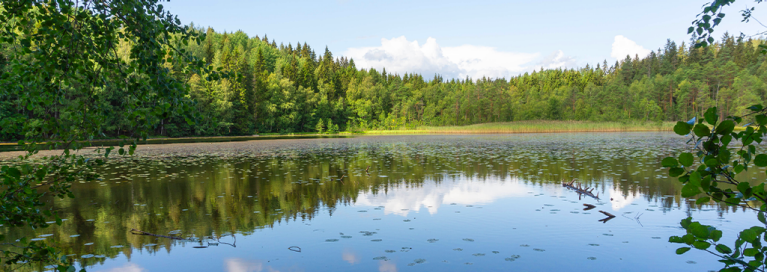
x,y
273,88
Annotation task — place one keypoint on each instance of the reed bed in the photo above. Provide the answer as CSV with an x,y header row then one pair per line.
x,y
535,127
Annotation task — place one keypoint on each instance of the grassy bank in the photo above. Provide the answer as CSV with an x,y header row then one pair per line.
x,y
536,127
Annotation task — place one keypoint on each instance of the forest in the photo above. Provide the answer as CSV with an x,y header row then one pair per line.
x,y
278,88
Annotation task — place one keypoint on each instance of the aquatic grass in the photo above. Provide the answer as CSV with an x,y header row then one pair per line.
x,y
534,127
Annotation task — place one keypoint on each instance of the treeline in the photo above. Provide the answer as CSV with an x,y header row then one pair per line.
x,y
281,88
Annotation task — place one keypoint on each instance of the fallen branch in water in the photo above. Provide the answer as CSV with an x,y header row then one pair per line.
x,y
342,179
295,248
366,169
608,218
232,244
580,190
141,232
607,213
588,207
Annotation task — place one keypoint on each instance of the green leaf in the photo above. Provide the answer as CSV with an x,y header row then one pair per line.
x,y
676,239
702,200
761,160
732,201
682,128
690,190
743,186
711,116
748,235
13,172
761,119
701,244
739,168
688,239
723,249
724,156
686,159
705,184
695,178
725,127
701,130
750,252
710,161
726,139
669,162
675,171
758,230
700,231
685,223
682,250
40,174
715,235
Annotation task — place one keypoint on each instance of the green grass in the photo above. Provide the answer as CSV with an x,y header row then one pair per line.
x,y
535,127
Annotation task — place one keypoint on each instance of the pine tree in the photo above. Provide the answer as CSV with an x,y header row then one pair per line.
x,y
209,48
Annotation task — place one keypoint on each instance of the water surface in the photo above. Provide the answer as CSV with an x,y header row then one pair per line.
x,y
393,203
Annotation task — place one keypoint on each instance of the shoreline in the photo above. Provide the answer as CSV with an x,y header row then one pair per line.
x,y
227,148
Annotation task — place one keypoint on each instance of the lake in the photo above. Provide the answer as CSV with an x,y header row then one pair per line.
x,y
390,203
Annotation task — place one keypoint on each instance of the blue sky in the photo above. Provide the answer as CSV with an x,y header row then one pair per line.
x,y
460,38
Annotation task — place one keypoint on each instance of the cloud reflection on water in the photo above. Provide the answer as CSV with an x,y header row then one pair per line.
x,y
242,265
128,267
401,200
350,257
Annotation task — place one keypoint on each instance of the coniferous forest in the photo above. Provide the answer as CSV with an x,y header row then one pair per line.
x,y
288,88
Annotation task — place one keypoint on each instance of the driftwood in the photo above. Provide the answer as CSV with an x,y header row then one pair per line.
x,y
608,218
607,213
580,189
232,244
588,207
342,179
295,248
201,240
366,169
141,232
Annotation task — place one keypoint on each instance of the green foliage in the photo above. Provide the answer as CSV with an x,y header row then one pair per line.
x,y
68,64
714,177
320,126
290,88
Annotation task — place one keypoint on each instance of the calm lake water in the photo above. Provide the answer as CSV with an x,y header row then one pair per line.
x,y
425,203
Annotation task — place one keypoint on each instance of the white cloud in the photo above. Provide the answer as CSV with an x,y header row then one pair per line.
x,y
555,60
623,47
398,55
